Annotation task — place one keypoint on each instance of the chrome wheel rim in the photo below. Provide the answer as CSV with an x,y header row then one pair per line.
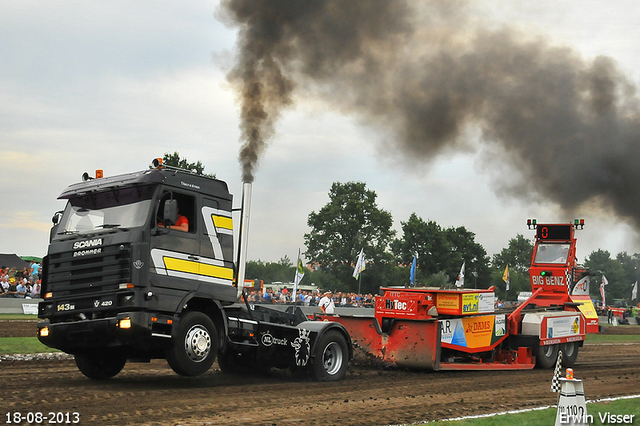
x,y
197,343
332,358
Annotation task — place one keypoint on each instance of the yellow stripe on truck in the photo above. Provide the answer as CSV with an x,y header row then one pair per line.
x,y
222,222
191,267
216,271
179,265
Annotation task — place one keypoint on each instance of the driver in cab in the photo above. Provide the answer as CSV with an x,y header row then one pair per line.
x,y
181,224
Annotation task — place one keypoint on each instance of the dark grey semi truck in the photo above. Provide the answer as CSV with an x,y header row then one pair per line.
x,y
125,279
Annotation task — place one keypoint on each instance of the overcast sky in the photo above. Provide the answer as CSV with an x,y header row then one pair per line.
x,y
111,85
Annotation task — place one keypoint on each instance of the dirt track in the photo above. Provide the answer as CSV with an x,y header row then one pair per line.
x,y
153,394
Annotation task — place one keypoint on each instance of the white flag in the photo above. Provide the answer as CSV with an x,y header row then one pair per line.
x,y
634,292
298,277
460,279
360,265
602,284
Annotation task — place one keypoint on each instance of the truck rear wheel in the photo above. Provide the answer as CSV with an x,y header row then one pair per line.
x,y
195,346
547,356
100,365
331,358
570,353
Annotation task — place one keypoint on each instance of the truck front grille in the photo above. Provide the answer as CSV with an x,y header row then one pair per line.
x,y
103,270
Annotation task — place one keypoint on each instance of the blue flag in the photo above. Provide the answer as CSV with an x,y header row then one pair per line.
x,y
413,271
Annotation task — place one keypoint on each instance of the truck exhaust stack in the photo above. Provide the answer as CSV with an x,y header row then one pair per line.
x,y
244,236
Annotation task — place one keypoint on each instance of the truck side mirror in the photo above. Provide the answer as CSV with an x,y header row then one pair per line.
x,y
170,212
56,218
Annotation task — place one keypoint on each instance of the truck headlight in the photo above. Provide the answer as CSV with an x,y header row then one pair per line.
x,y
125,323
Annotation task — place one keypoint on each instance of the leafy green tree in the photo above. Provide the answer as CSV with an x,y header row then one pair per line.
x,y
286,262
381,274
182,163
349,222
427,240
282,271
441,251
464,248
601,263
325,280
631,267
517,255
439,279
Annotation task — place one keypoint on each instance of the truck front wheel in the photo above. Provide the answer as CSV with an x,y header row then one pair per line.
x,y
331,358
195,346
100,365
547,356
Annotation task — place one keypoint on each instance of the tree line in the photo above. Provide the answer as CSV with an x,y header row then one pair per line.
x,y
352,221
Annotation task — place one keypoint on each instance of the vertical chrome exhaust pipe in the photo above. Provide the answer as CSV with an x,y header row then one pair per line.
x,y
244,236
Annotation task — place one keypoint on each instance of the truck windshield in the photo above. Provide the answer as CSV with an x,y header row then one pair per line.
x,y
116,208
552,253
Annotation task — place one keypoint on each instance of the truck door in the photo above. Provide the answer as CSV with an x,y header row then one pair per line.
x,y
216,243
175,253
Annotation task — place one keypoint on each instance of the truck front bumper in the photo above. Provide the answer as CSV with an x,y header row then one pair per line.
x,y
141,331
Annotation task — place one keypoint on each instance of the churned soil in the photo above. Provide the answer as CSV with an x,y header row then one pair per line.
x,y
151,394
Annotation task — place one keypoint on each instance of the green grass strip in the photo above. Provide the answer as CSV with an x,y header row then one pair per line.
x,y
600,412
23,345
612,338
8,317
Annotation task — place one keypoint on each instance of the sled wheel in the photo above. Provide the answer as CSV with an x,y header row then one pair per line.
x,y
100,365
331,358
195,346
570,353
547,356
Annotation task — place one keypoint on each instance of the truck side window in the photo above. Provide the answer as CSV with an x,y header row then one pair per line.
x,y
186,211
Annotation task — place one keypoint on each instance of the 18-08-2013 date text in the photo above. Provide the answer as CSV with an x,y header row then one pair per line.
x,y
35,417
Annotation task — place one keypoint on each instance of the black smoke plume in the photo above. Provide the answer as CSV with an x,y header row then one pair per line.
x,y
425,72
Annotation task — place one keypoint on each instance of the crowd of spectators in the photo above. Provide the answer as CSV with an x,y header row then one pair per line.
x,y
340,299
311,298
21,283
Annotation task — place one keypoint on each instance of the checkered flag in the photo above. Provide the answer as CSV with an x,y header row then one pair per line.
x,y
555,382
